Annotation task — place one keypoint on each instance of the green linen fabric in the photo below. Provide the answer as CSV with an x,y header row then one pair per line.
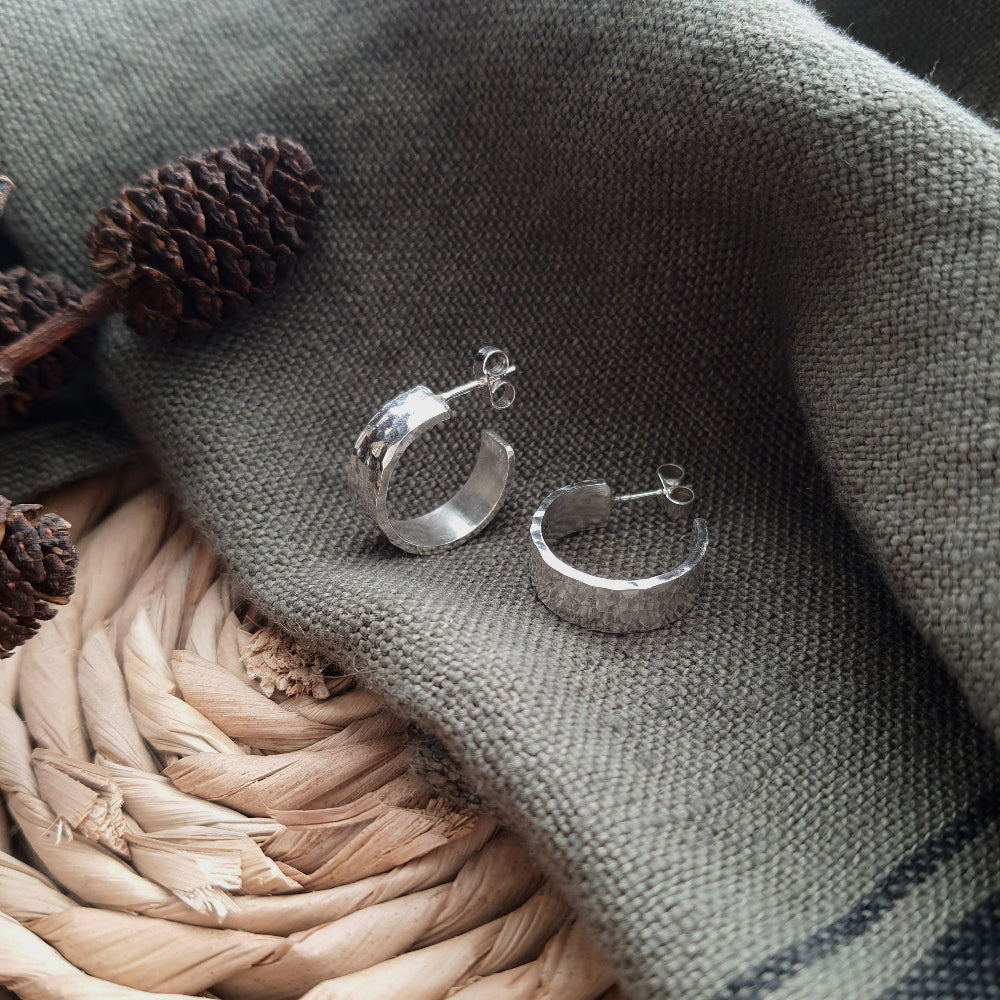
x,y
715,232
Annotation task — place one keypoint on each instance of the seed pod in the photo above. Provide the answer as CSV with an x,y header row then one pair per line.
x,y
37,570
194,243
28,299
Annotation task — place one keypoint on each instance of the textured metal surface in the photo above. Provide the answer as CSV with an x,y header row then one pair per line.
x,y
603,604
397,425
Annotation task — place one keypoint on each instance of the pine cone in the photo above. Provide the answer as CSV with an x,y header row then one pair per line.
x,y
193,243
26,299
37,570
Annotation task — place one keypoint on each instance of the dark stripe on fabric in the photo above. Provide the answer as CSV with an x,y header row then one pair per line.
x,y
913,869
964,964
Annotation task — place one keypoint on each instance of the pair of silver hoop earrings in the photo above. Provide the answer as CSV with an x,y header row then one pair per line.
x,y
593,602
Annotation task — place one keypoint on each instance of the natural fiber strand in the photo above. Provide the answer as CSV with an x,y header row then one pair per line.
x,y
83,796
114,555
9,672
110,723
239,711
228,648
158,805
287,914
149,954
175,580
167,722
135,951
26,893
364,838
6,843
112,558
207,620
432,972
569,968
338,770
36,971
47,688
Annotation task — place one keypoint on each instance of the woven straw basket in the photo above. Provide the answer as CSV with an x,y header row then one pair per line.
x,y
180,822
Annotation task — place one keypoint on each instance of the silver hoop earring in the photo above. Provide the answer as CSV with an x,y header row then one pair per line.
x,y
603,604
398,424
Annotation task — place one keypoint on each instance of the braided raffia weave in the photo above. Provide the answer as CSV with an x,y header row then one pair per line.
x,y
178,832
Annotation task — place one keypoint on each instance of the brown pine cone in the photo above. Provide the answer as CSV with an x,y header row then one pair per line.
x,y
37,570
193,243
26,299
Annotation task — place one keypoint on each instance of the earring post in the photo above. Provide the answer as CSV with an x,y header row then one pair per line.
x,y
483,380
647,495
675,495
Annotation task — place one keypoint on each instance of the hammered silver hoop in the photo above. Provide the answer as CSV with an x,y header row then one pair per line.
x,y
599,603
398,424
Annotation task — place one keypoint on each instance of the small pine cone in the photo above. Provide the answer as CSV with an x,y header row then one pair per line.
x,y
37,570
193,243
26,300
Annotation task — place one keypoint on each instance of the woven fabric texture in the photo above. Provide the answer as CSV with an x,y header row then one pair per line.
x,y
717,233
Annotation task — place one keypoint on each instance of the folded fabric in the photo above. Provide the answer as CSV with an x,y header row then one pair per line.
x,y
717,233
